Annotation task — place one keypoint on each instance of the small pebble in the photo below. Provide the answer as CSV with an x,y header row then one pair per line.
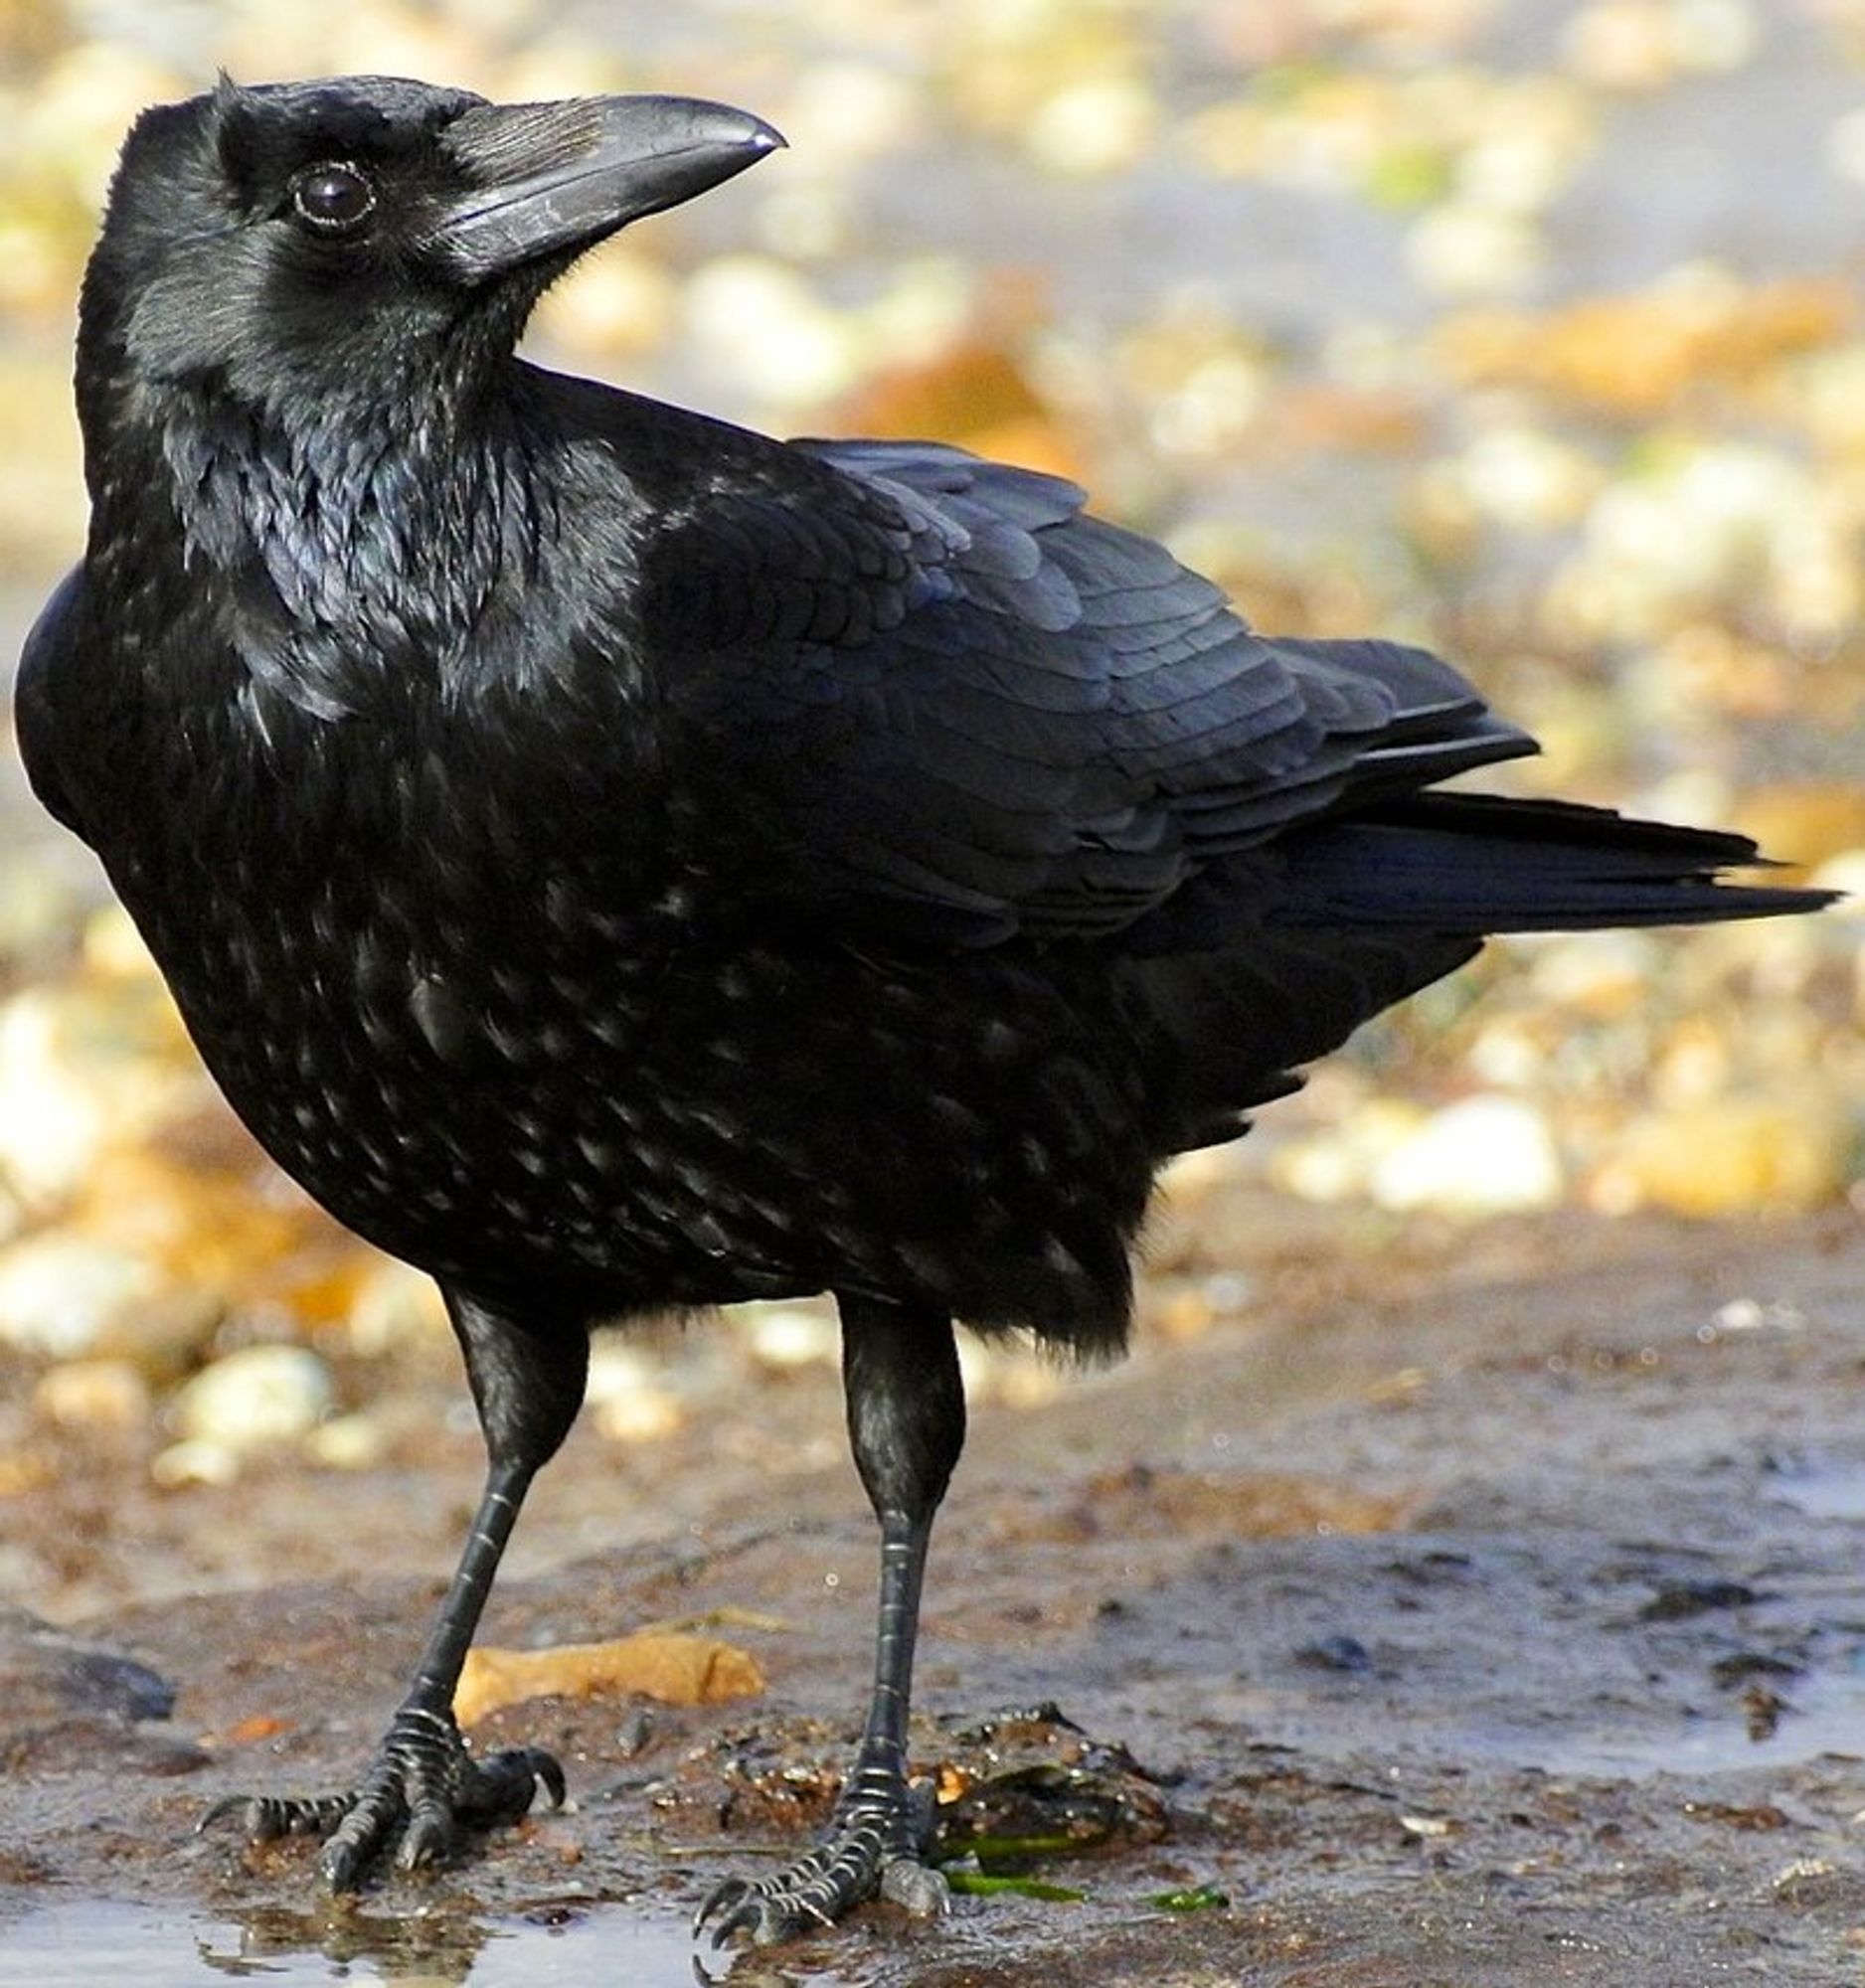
x,y
348,1443
1486,1155
94,1394
645,1416
183,1464
1787,1148
259,1395
1336,1653
60,1294
785,1336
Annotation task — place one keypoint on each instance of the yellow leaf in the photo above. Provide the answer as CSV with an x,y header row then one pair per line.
x,y
677,1668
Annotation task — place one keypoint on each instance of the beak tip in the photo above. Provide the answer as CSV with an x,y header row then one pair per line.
x,y
747,133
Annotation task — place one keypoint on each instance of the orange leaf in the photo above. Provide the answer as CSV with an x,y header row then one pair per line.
x,y
675,1668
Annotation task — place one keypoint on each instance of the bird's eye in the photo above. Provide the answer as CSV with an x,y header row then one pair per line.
x,y
332,199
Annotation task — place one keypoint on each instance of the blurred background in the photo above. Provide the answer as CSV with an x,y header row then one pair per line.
x,y
1529,331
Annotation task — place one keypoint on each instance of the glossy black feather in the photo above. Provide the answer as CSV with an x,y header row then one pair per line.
x,y
1014,715
35,695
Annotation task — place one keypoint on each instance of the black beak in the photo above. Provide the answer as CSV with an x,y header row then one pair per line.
x,y
550,179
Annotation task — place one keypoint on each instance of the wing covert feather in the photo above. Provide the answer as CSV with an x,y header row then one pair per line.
x,y
932,681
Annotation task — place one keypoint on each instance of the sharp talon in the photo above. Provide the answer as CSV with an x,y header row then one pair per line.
x,y
746,1919
545,1768
715,1901
341,1865
426,1839
222,1810
502,1787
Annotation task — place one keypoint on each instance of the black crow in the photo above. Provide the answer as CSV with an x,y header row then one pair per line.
x,y
617,862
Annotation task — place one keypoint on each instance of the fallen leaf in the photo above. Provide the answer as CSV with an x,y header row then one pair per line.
x,y
248,1732
676,1669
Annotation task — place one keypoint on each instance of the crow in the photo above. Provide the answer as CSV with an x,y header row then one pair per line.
x,y
619,862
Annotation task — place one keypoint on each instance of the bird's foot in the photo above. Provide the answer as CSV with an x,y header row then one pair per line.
x,y
875,1847
421,1785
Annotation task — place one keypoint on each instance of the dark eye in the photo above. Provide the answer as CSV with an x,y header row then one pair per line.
x,y
333,197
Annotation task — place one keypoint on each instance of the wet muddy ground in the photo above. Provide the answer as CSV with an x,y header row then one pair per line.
x,y
1481,1606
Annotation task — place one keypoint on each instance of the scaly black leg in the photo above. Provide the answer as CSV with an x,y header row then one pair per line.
x,y
528,1381
907,1424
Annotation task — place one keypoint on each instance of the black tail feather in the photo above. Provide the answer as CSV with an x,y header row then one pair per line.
x,y
1485,863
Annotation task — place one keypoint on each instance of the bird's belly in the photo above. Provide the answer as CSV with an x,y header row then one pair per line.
x,y
666,1119
472,1104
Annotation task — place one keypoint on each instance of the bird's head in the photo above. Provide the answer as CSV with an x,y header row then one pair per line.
x,y
292,243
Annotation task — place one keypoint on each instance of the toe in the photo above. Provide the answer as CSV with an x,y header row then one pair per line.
x,y
342,1864
265,1817
502,1787
428,1838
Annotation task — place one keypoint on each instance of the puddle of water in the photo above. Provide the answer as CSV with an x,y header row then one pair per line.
x,y
1826,1715
82,1943
1823,1490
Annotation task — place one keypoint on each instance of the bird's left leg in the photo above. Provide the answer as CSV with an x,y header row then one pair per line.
x,y
906,1426
528,1380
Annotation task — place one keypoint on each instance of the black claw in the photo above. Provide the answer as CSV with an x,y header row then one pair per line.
x,y
738,1907
873,1847
226,1807
341,1865
744,1919
717,1900
423,1782
545,1767
426,1839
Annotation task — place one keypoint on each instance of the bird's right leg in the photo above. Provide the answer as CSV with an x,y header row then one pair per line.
x,y
528,1378
906,1426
